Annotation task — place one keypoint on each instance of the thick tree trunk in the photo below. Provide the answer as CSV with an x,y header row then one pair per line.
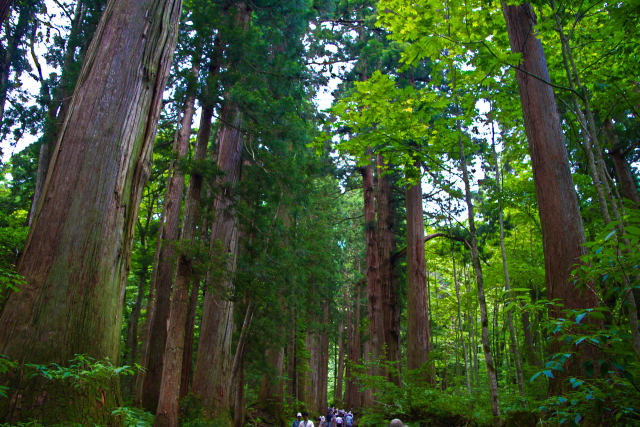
x,y
418,328
212,378
61,94
387,276
75,260
166,268
475,260
562,230
376,321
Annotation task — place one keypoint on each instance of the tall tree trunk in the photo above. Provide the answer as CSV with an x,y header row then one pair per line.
x,y
561,223
291,356
166,269
212,376
164,389
75,259
131,342
475,260
187,354
239,406
376,322
324,361
418,328
337,392
212,379
352,397
388,279
184,272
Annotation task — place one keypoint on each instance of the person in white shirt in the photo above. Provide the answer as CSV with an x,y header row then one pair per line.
x,y
306,422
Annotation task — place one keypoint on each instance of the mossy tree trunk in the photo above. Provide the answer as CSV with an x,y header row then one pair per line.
x,y
76,256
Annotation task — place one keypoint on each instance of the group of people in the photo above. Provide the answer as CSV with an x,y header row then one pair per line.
x,y
334,418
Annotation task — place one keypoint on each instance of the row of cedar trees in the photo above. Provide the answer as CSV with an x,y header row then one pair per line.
x,y
75,260
94,162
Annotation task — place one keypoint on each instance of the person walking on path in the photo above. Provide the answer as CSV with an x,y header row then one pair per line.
x,y
306,422
296,422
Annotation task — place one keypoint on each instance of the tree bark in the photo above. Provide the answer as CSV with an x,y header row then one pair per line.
x,y
388,278
323,350
352,397
166,266
418,328
337,394
213,361
75,259
58,102
562,230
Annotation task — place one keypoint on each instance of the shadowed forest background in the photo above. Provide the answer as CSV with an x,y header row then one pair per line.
x,y
191,235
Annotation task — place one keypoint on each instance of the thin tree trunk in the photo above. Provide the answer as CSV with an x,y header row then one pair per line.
x,y
75,259
291,356
348,383
562,231
165,275
475,260
337,394
418,328
213,361
239,406
352,393
505,268
187,355
324,361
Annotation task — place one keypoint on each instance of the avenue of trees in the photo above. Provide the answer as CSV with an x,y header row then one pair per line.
x,y
187,238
